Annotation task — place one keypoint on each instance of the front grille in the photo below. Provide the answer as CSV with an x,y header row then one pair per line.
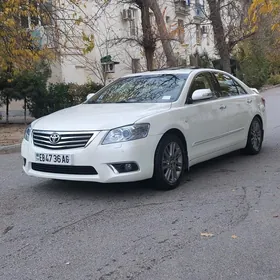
x,y
64,169
67,140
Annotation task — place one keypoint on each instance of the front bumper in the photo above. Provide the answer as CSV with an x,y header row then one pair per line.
x,y
99,157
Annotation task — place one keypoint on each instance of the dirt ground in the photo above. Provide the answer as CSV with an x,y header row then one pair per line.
x,y
11,134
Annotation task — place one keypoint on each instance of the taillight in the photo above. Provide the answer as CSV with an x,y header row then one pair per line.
x,y
263,101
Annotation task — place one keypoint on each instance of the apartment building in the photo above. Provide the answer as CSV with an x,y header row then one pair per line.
x,y
117,30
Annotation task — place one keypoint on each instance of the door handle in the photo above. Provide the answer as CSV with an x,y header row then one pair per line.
x,y
249,101
223,107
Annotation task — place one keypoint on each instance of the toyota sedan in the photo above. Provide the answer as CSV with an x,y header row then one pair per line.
x,y
153,125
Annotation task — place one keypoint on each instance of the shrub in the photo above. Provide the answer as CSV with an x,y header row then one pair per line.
x,y
39,98
274,80
59,96
254,67
79,92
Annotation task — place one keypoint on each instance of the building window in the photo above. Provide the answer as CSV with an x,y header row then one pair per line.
x,y
198,34
132,22
181,31
24,22
133,31
42,17
136,67
46,11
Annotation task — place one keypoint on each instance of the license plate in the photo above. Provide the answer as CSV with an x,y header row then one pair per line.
x,y
54,159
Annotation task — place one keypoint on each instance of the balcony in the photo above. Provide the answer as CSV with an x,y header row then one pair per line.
x,y
181,7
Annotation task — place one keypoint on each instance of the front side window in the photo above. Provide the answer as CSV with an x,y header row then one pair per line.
x,y
201,81
227,85
142,89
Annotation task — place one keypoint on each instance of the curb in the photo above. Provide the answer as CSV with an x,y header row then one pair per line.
x,y
268,87
10,149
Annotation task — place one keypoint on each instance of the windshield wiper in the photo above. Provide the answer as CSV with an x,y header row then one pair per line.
x,y
122,101
132,100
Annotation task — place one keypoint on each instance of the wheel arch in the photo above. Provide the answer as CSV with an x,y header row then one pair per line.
x,y
180,135
259,117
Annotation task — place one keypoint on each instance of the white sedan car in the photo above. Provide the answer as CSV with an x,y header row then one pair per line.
x,y
152,125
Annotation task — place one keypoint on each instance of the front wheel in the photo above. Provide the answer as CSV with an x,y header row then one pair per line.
x,y
255,137
170,162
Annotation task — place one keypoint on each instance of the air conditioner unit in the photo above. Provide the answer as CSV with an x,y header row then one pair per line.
x,y
130,14
124,14
108,67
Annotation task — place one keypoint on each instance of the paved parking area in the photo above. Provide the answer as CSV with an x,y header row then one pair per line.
x,y
53,230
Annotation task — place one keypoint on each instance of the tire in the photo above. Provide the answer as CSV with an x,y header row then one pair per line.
x,y
169,163
255,137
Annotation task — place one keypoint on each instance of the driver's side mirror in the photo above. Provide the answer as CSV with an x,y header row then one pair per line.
x,y
89,96
255,90
202,94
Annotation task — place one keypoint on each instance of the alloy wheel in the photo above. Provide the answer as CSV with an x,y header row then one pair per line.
x,y
172,162
256,135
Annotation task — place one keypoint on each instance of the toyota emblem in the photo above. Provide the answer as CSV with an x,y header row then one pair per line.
x,y
54,138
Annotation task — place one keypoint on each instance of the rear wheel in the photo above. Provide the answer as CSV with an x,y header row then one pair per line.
x,y
170,162
255,137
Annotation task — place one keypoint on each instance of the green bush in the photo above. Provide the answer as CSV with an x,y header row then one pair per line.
x,y
254,67
78,93
59,96
40,98
274,80
32,88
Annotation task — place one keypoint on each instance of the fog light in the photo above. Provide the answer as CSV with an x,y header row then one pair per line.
x,y
125,167
128,167
24,161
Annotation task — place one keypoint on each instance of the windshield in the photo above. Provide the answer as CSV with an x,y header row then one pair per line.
x,y
142,89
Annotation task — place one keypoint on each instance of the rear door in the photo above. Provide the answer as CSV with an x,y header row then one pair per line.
x,y
237,102
206,119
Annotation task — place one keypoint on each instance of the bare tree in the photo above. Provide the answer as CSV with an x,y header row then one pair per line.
x,y
219,33
151,34
165,40
149,39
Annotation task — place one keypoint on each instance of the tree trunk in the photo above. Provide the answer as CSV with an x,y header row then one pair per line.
x,y
25,109
170,57
149,43
7,109
219,34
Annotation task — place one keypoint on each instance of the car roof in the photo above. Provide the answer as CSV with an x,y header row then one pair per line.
x,y
173,71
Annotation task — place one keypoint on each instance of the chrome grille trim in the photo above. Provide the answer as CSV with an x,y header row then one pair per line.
x,y
68,140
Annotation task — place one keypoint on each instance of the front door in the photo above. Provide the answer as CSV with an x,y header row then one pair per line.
x,y
207,120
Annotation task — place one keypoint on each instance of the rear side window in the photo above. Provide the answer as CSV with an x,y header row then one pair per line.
x,y
228,86
241,90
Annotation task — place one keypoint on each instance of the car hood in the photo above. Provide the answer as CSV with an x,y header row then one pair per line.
x,y
98,116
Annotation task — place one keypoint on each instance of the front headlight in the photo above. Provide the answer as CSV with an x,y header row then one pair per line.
x,y
27,133
127,133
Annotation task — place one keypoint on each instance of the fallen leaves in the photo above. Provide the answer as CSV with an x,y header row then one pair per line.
x,y
11,134
206,234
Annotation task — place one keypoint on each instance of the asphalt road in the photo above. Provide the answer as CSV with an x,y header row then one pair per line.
x,y
52,230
